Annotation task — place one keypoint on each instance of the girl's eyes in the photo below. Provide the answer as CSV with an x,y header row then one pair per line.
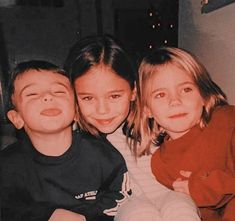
x,y
115,96
88,98
180,91
163,94
187,89
160,95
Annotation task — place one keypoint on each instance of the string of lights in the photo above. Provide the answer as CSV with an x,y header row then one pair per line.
x,y
145,29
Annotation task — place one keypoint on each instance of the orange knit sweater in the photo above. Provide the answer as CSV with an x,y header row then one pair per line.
x,y
209,154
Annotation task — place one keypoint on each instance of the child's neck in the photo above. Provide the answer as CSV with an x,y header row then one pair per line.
x,y
52,144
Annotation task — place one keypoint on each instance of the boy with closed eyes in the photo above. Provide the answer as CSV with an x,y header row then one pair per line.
x,y
51,172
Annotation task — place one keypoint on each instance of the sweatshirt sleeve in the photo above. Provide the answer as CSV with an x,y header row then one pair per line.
x,y
212,189
16,205
16,202
215,188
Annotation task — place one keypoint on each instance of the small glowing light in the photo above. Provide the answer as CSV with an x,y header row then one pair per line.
x,y
158,24
153,26
171,26
150,14
150,46
165,41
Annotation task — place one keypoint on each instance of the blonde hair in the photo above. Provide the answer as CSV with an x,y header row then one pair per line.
x,y
146,130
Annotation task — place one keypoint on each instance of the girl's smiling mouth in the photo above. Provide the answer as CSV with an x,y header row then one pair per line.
x,y
104,121
178,115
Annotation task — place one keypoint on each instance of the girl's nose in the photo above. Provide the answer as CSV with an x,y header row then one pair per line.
x,y
102,107
175,100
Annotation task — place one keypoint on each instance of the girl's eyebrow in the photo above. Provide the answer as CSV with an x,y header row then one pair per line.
x,y
83,93
158,89
164,88
89,93
116,91
180,84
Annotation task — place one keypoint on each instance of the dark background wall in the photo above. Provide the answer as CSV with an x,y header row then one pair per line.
x,y
46,29
47,32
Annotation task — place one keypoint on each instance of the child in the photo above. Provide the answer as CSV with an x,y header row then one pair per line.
x,y
104,80
51,172
179,98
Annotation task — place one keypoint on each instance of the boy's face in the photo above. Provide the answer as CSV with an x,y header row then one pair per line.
x,y
44,102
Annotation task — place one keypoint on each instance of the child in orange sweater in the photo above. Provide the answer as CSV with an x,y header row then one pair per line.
x,y
179,100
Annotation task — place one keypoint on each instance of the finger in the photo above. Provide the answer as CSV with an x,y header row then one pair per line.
x,y
177,184
185,173
179,190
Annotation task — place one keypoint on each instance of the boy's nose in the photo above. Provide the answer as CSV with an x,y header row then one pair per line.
x,y
47,97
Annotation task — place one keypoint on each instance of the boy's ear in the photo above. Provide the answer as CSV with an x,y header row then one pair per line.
x,y
15,119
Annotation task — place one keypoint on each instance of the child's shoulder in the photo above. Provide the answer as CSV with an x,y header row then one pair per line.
x,y
224,115
11,149
96,145
11,154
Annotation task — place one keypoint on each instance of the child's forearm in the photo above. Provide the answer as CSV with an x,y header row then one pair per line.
x,y
65,215
214,188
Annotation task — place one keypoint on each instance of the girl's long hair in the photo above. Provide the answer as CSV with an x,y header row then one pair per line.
x,y
95,50
146,130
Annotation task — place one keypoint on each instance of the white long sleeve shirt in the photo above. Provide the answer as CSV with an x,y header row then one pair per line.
x,y
142,180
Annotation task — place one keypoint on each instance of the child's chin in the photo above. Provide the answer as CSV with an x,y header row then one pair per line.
x,y
107,130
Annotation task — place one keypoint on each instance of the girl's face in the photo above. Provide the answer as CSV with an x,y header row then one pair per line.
x,y
103,98
175,101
